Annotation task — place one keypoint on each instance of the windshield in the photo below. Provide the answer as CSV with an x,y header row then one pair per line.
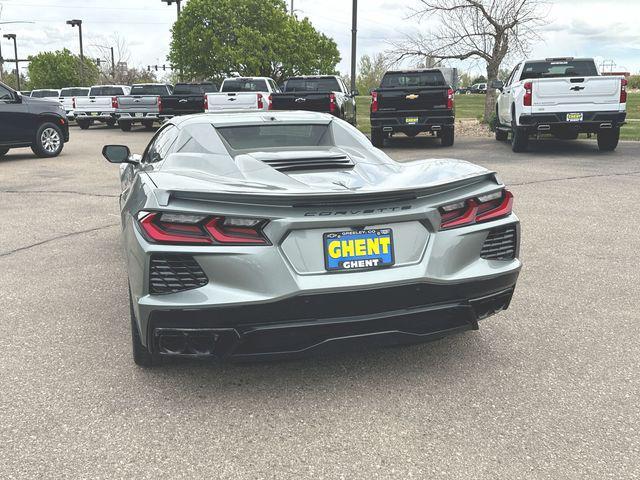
x,y
106,91
413,79
74,92
44,93
244,85
559,69
257,137
328,84
149,90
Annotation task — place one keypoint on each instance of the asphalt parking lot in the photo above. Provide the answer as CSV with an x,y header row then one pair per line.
x,y
547,389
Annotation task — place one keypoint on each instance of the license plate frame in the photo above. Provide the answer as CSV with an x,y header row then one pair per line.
x,y
370,260
575,117
411,120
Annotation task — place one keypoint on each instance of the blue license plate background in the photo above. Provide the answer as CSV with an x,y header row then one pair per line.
x,y
361,250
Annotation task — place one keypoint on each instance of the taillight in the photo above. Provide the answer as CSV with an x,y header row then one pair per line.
x,y
206,102
193,229
623,90
260,102
114,102
374,102
450,95
73,102
476,210
332,102
159,104
270,102
528,94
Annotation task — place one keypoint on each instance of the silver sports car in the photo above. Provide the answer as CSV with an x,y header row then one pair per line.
x,y
277,234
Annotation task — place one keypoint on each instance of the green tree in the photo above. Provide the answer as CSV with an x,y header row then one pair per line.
x,y
60,69
371,72
216,38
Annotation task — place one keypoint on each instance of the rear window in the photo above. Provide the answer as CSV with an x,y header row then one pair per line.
x,y
149,90
74,92
312,85
255,137
244,85
105,91
413,79
44,93
559,69
187,89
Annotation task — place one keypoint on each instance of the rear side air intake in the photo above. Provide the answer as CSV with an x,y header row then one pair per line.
x,y
174,273
501,244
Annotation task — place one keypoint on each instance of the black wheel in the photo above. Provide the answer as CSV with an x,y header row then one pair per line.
x,y
83,124
447,136
148,125
519,138
3,152
141,354
111,122
48,141
377,137
125,126
608,139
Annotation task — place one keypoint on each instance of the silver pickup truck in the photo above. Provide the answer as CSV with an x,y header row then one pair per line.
x,y
143,105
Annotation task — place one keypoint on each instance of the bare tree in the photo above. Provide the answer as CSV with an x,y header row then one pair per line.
x,y
489,30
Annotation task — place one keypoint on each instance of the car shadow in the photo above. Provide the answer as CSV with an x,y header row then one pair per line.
x,y
415,143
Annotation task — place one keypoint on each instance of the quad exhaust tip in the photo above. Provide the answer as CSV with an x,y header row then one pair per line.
x,y
436,128
606,125
196,342
544,128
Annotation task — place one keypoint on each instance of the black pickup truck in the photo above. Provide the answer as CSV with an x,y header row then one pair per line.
x,y
322,93
186,98
412,102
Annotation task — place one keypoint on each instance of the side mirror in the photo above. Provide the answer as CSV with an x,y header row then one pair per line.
x,y
497,84
17,97
118,154
355,93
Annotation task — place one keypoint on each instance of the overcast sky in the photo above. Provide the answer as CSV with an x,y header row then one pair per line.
x,y
607,30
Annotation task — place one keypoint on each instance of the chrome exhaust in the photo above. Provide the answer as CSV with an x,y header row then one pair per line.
x,y
544,128
436,128
606,125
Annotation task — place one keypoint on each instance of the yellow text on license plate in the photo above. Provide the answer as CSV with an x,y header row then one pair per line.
x,y
411,120
574,117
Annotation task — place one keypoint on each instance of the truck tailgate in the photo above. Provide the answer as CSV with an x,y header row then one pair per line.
x,y
131,102
179,104
313,102
579,94
232,101
93,104
412,99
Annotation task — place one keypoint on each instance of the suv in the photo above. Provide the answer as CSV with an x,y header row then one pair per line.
x,y
31,122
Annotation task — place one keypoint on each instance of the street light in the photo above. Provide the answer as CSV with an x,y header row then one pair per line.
x,y
171,2
354,37
12,36
2,59
78,23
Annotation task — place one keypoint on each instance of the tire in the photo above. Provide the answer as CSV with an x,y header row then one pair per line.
x,y
608,139
447,136
111,123
141,354
3,152
148,125
48,141
502,135
125,126
519,138
377,137
83,124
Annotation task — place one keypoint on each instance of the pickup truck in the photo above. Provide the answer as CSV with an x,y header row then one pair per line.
x,y
563,97
45,94
187,98
412,102
242,94
99,106
66,99
323,93
142,105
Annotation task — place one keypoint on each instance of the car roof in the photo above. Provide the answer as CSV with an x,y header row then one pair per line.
x,y
221,119
415,70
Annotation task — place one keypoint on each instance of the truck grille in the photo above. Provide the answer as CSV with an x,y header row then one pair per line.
x,y
500,244
174,273
310,163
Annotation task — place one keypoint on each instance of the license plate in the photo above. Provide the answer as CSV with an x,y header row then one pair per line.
x,y
138,115
411,120
575,117
358,250
94,114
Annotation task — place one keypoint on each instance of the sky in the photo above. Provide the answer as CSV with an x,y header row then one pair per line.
x,y
606,30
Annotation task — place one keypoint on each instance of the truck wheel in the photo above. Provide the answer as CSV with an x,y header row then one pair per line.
x,y
141,354
125,126
377,137
608,139
148,125
519,138
48,141
502,135
110,122
447,136
3,152
83,124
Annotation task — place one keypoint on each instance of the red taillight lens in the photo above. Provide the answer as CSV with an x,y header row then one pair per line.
x,y
206,102
159,104
260,102
623,90
450,95
374,102
187,229
114,102
332,102
528,94
270,102
476,210
73,102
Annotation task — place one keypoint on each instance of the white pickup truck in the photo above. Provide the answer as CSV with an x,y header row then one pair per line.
x,y
242,94
99,106
67,96
563,97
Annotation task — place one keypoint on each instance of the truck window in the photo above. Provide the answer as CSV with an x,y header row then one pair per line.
x,y
106,91
149,90
559,69
244,85
74,92
413,79
328,84
44,93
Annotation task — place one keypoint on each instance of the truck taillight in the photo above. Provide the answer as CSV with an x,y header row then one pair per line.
x,y
269,106
374,102
260,102
206,102
623,90
114,102
528,94
159,104
450,95
332,102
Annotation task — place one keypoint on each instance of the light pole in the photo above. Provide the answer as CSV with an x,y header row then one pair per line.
x,y
354,37
2,59
12,36
78,23
169,3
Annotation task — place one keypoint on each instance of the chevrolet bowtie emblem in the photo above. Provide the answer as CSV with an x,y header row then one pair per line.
x,y
413,96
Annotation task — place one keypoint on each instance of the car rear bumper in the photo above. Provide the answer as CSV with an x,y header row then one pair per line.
x,y
138,116
100,116
592,121
408,121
